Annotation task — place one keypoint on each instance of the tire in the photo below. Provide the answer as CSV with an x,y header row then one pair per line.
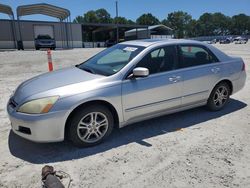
x,y
37,48
84,132
219,97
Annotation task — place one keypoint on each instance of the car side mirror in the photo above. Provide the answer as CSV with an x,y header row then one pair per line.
x,y
139,72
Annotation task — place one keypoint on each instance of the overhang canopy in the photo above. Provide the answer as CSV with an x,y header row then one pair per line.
x,y
159,27
45,9
6,9
152,28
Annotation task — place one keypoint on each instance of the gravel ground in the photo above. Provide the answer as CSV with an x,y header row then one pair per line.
x,y
194,148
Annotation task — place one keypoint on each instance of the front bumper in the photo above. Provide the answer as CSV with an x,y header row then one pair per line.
x,y
45,46
38,127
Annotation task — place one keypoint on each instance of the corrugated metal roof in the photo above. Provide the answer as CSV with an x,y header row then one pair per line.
x,y
6,9
45,9
161,26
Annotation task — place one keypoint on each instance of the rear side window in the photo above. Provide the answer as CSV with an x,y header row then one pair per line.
x,y
191,55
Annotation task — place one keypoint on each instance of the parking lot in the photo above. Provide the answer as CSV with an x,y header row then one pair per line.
x,y
194,148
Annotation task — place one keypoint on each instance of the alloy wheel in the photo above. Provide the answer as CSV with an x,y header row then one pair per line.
x,y
220,96
92,127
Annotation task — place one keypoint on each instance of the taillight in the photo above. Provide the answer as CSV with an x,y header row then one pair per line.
x,y
243,67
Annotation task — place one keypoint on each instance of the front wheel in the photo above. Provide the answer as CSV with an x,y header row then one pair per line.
x,y
219,97
91,125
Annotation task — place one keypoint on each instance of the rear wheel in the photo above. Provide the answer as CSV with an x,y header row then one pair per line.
x,y
90,126
219,97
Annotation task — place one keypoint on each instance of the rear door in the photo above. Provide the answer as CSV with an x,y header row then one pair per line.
x,y
200,71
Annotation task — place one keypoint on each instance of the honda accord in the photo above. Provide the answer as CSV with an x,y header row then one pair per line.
x,y
127,83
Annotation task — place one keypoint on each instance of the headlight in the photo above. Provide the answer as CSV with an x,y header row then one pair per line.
x,y
38,106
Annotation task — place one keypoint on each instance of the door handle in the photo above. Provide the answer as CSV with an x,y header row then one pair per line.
x,y
215,70
178,78
174,79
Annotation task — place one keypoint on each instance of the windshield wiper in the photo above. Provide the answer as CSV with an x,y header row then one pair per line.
x,y
87,69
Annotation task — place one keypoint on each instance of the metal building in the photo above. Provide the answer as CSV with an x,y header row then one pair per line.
x,y
103,34
62,14
7,28
155,31
22,34
29,30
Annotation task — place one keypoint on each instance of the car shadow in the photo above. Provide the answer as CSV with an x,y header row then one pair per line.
x,y
63,151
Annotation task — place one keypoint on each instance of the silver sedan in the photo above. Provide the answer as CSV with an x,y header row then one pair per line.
x,y
124,84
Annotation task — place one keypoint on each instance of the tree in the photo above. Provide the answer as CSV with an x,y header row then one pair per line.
x,y
240,24
178,21
192,28
165,22
147,19
206,24
103,16
214,24
98,16
120,20
221,24
131,22
78,19
90,17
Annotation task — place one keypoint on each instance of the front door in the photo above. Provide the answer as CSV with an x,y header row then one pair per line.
x,y
159,91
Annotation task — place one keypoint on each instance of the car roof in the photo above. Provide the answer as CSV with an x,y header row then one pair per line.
x,y
149,42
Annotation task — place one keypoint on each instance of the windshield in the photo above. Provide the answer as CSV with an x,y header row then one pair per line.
x,y
43,37
111,60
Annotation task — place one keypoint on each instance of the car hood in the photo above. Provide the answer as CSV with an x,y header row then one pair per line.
x,y
53,80
45,40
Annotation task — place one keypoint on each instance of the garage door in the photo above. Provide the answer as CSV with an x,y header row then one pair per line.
x,y
44,30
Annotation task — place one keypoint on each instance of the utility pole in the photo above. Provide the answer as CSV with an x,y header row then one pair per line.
x,y
117,29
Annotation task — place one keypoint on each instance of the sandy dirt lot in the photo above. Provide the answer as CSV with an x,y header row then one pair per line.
x,y
194,148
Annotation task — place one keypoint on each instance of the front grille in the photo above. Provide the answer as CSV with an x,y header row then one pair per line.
x,y
45,42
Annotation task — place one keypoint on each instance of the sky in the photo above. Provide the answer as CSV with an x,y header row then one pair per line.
x,y
132,9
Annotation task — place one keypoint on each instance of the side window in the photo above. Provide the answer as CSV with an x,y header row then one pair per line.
x,y
194,55
158,53
159,60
